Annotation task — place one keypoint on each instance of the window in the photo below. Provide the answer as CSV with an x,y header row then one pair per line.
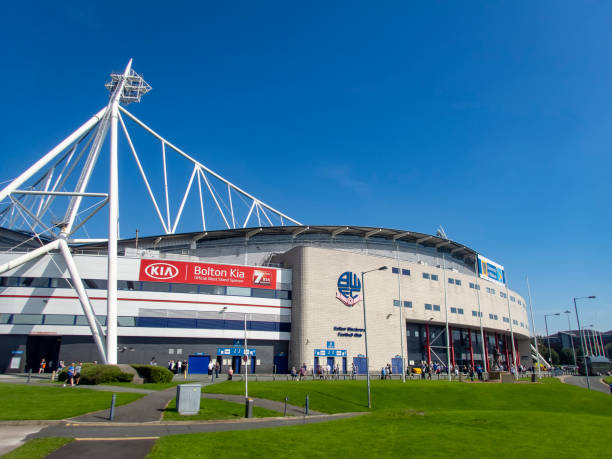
x,y
495,317
503,295
474,286
515,322
405,272
436,307
416,333
490,316
476,314
451,280
519,301
82,320
212,290
395,270
457,282
425,275
428,306
512,299
155,286
407,304
59,283
434,277
187,288
5,318
59,319
505,319
397,303
491,291
239,291
453,310
126,321
522,325
459,310
95,283
263,293
28,319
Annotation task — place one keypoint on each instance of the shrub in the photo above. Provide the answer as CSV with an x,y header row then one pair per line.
x,y
153,373
98,374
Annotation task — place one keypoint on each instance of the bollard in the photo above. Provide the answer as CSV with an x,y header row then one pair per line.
x,y
53,376
533,377
306,406
286,399
112,408
29,374
248,408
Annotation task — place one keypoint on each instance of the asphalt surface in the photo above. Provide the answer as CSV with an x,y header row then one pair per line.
x,y
580,381
264,403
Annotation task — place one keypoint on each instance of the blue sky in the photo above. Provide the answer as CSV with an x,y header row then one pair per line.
x,y
490,118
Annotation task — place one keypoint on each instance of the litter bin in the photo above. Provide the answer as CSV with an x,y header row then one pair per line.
x,y
188,398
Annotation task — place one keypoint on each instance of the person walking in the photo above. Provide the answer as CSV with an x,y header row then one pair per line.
x,y
70,375
217,368
43,365
77,373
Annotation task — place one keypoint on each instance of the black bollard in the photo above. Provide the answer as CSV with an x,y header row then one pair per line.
x,y
248,409
306,407
286,399
112,408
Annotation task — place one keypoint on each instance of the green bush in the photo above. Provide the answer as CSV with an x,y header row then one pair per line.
x,y
92,374
153,373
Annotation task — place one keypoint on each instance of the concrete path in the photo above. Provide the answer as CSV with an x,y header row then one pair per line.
x,y
12,437
580,381
149,408
159,429
264,403
103,449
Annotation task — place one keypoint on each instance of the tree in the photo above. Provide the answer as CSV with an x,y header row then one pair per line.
x,y
567,356
609,350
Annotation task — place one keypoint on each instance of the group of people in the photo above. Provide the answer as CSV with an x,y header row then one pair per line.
x,y
215,368
298,374
386,372
178,367
73,373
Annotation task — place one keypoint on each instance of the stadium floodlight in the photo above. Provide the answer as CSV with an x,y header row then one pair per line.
x,y
548,336
569,328
32,200
365,326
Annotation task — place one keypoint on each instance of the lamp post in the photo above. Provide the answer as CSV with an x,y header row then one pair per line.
x,y
569,328
365,326
548,336
586,368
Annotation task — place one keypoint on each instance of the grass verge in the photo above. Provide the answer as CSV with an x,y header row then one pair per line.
x,y
211,409
23,402
37,448
149,386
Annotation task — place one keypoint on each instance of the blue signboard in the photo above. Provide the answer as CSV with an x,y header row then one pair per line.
x,y
238,342
490,270
331,345
234,351
329,353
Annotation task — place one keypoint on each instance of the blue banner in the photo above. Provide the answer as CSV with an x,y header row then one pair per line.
x,y
329,353
490,270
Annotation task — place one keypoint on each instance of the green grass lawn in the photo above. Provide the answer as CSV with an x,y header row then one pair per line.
x,y
37,448
216,409
608,379
23,402
425,418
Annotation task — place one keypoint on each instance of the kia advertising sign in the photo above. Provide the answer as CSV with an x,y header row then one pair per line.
x,y
205,273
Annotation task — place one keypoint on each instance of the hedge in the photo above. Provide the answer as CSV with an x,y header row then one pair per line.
x,y
92,374
154,373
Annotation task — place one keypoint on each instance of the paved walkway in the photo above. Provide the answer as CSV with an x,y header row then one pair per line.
x,y
264,403
580,381
149,408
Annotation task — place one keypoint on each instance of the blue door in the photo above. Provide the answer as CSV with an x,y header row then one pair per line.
x,y
253,362
236,362
360,365
316,365
344,365
330,363
281,364
198,364
396,365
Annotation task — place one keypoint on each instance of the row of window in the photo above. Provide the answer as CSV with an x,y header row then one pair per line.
x,y
405,272
407,304
144,286
476,314
433,277
429,307
456,310
153,322
454,281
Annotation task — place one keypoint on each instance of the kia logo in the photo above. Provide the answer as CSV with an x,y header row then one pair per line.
x,y
161,271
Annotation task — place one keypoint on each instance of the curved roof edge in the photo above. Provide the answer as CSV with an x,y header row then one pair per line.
x,y
427,240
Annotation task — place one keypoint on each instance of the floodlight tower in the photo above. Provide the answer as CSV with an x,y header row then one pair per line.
x,y
124,88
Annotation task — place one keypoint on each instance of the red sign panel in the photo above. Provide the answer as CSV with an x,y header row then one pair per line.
x,y
206,273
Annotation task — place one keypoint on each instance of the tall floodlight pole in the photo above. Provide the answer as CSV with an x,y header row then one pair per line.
x,y
535,338
569,328
477,285
246,360
401,314
365,326
448,369
113,223
548,336
586,367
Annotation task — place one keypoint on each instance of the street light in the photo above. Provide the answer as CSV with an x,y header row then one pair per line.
x,y
586,368
569,328
365,326
548,336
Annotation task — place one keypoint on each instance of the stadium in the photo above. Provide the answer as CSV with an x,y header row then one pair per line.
x,y
262,295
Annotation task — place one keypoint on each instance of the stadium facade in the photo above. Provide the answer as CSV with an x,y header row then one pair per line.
x,y
295,291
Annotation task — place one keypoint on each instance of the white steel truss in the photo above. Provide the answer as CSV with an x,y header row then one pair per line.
x,y
48,199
